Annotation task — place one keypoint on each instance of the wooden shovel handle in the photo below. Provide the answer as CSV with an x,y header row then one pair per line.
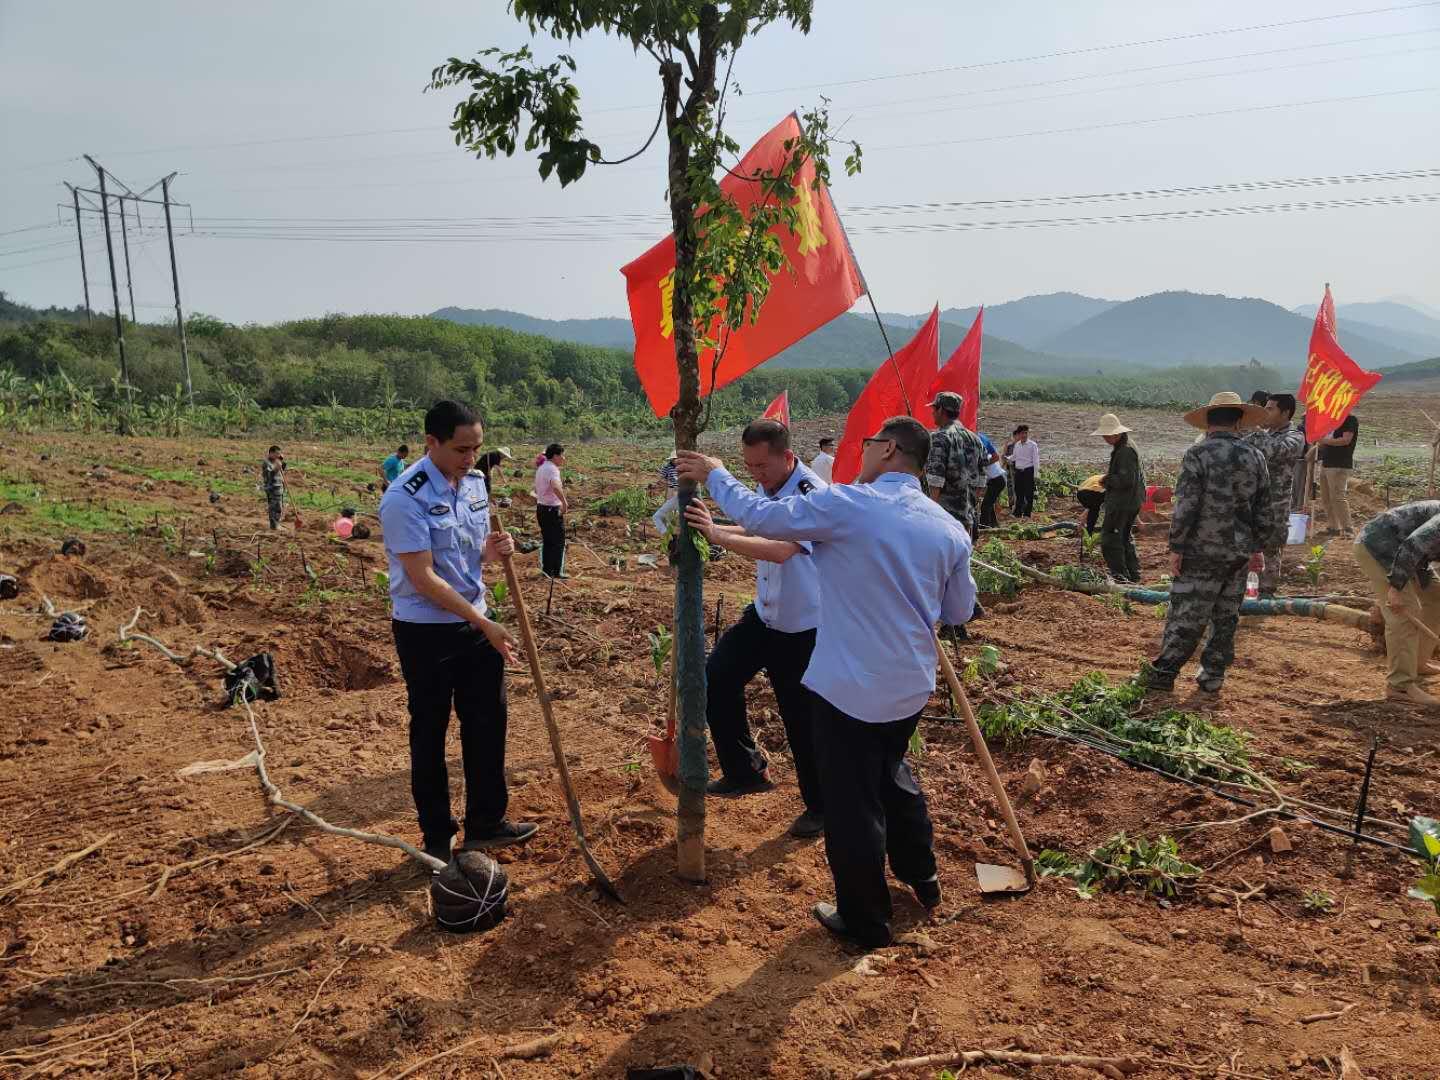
x,y
537,675
986,762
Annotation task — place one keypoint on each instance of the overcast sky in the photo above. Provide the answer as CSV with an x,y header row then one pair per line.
x,y
314,110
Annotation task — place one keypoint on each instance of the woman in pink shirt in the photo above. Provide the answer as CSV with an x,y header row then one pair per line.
x,y
550,508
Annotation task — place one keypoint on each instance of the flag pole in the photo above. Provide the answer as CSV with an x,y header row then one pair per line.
x,y
904,394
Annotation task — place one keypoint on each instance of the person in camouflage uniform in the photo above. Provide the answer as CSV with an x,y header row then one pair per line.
x,y
1283,444
956,465
1222,517
1394,552
272,479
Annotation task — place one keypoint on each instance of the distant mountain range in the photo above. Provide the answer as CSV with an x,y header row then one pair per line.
x,y
1070,334
1387,321
1029,321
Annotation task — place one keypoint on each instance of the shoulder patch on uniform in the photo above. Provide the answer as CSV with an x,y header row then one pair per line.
x,y
804,487
439,510
416,482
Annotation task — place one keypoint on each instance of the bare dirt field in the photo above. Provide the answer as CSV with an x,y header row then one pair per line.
x,y
203,935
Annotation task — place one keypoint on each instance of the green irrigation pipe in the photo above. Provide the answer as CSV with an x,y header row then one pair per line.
x,y
1315,609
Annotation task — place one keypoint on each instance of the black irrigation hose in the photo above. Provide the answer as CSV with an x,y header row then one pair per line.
x,y
1228,796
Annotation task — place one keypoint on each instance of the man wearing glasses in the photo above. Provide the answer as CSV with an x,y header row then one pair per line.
x,y
904,564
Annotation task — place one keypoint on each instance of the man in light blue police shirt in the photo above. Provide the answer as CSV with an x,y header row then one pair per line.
x,y
892,563
775,634
436,518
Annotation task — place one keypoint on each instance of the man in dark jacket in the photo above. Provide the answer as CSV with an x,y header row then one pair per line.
x,y
1124,484
1394,551
1222,518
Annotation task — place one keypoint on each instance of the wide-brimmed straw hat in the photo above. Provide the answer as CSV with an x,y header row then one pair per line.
x,y
504,452
1251,415
1110,425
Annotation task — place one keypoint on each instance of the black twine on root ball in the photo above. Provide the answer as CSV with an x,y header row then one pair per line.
x,y
470,894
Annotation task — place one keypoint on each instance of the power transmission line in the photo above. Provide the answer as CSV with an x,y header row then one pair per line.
x,y
1160,119
1092,49
881,229
886,77
645,217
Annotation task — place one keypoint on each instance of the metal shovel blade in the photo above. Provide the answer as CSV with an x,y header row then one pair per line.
x,y
1001,880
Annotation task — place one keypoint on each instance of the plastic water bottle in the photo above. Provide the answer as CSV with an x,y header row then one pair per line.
x,y
1252,586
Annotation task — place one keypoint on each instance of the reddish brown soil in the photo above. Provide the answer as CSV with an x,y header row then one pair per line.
x,y
309,955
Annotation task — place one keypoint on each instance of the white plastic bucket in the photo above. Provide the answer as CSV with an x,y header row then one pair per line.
x,y
1299,526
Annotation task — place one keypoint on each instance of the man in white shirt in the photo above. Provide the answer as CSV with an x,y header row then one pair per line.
x,y
824,460
775,634
1025,456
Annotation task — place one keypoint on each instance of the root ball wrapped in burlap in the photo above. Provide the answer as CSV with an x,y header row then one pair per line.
x,y
470,893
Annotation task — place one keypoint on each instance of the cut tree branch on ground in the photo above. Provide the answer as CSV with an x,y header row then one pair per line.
x,y
1109,1066
59,868
1315,1018
272,793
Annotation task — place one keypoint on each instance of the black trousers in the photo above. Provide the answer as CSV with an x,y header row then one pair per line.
x,y
993,490
445,663
743,651
1024,492
1117,543
874,809
552,539
1093,502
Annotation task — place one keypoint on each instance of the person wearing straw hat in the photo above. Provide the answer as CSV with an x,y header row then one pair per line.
x,y
1394,551
1124,484
487,463
1222,519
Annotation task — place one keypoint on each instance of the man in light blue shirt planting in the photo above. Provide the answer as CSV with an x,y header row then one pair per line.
x,y
892,563
775,634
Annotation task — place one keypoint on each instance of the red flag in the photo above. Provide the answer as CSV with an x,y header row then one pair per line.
x,y
779,409
821,282
961,373
1333,383
882,397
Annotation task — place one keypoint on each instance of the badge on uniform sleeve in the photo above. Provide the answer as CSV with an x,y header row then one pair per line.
x,y
804,487
416,482
439,511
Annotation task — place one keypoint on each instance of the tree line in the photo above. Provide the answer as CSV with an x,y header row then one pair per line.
x,y
312,375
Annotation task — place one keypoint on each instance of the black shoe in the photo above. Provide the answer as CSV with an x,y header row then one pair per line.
x,y
439,849
808,825
927,892
978,613
439,846
831,920
731,789
502,835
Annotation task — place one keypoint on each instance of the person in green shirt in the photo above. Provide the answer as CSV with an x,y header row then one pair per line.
x,y
1124,484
